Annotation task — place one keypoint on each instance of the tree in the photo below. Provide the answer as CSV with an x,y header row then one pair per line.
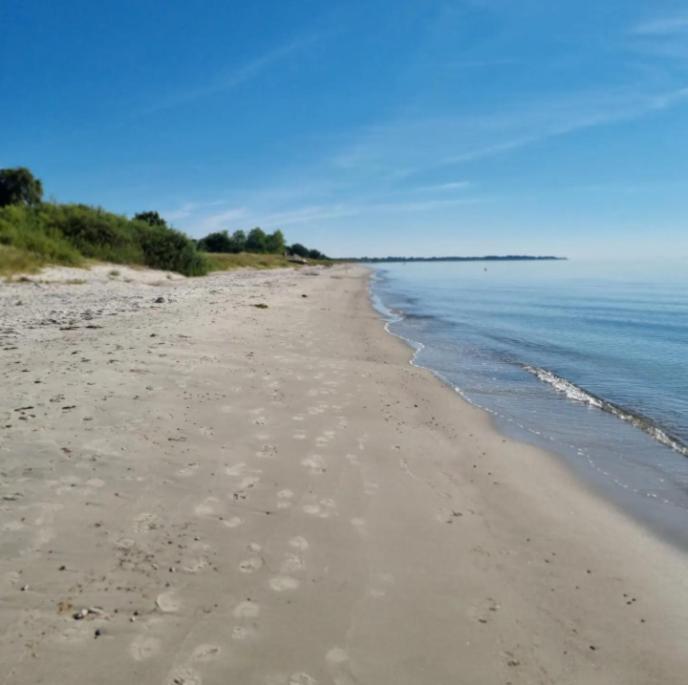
x,y
256,241
151,218
239,241
18,186
216,242
316,254
298,250
275,242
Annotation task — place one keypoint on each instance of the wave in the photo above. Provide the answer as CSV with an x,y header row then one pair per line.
x,y
578,394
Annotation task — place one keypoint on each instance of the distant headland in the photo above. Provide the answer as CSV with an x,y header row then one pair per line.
x,y
485,258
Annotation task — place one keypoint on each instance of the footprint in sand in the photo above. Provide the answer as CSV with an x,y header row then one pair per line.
x,y
146,522
301,679
188,470
144,647
359,524
267,452
206,652
243,633
246,609
299,435
168,602
299,542
340,667
284,497
184,676
284,583
250,565
292,563
323,509
370,488
206,507
195,565
233,522
315,463
235,470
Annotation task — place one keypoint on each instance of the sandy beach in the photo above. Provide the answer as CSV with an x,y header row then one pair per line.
x,y
241,479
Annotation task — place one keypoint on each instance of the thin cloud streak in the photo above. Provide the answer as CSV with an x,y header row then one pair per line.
x,y
662,26
232,79
313,214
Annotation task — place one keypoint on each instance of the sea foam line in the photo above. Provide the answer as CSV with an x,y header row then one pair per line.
x,y
578,394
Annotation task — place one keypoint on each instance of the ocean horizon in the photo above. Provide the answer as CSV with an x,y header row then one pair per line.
x,y
583,359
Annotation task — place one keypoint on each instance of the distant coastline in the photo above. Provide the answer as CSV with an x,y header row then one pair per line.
x,y
486,258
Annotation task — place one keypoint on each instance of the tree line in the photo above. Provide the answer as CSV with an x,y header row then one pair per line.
x,y
69,233
257,241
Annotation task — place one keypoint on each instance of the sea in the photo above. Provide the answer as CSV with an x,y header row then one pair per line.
x,y
588,360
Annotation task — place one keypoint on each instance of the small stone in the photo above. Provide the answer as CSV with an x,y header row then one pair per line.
x,y
24,588
159,300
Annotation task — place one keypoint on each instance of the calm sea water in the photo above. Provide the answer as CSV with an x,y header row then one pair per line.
x,y
587,360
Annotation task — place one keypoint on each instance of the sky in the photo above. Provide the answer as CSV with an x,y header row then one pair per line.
x,y
369,127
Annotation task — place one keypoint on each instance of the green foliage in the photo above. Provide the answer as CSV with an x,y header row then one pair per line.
x,y
256,240
151,218
239,241
222,242
165,248
22,229
65,234
250,260
33,233
298,250
274,243
19,186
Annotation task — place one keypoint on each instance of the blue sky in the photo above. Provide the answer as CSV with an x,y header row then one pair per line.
x,y
372,127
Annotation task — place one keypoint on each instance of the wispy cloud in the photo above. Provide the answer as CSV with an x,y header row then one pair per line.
x,y
449,186
426,144
662,26
231,78
188,209
309,215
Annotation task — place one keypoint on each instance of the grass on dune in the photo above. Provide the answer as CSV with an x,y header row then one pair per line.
x,y
76,235
68,234
221,261
16,261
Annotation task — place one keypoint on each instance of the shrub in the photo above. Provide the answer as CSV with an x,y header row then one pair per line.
x,y
165,248
19,186
65,234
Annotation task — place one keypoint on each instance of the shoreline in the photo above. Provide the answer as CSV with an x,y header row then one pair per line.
x,y
627,499
275,495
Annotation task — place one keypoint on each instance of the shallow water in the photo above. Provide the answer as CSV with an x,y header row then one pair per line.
x,y
589,360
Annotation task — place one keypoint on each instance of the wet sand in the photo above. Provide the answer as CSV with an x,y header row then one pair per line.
x,y
202,490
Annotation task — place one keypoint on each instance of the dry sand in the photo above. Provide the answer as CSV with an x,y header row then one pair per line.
x,y
203,491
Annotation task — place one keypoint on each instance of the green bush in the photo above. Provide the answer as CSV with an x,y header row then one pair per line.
x,y
65,234
22,228
165,248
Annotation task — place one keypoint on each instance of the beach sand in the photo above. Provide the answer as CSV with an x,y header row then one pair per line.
x,y
202,490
